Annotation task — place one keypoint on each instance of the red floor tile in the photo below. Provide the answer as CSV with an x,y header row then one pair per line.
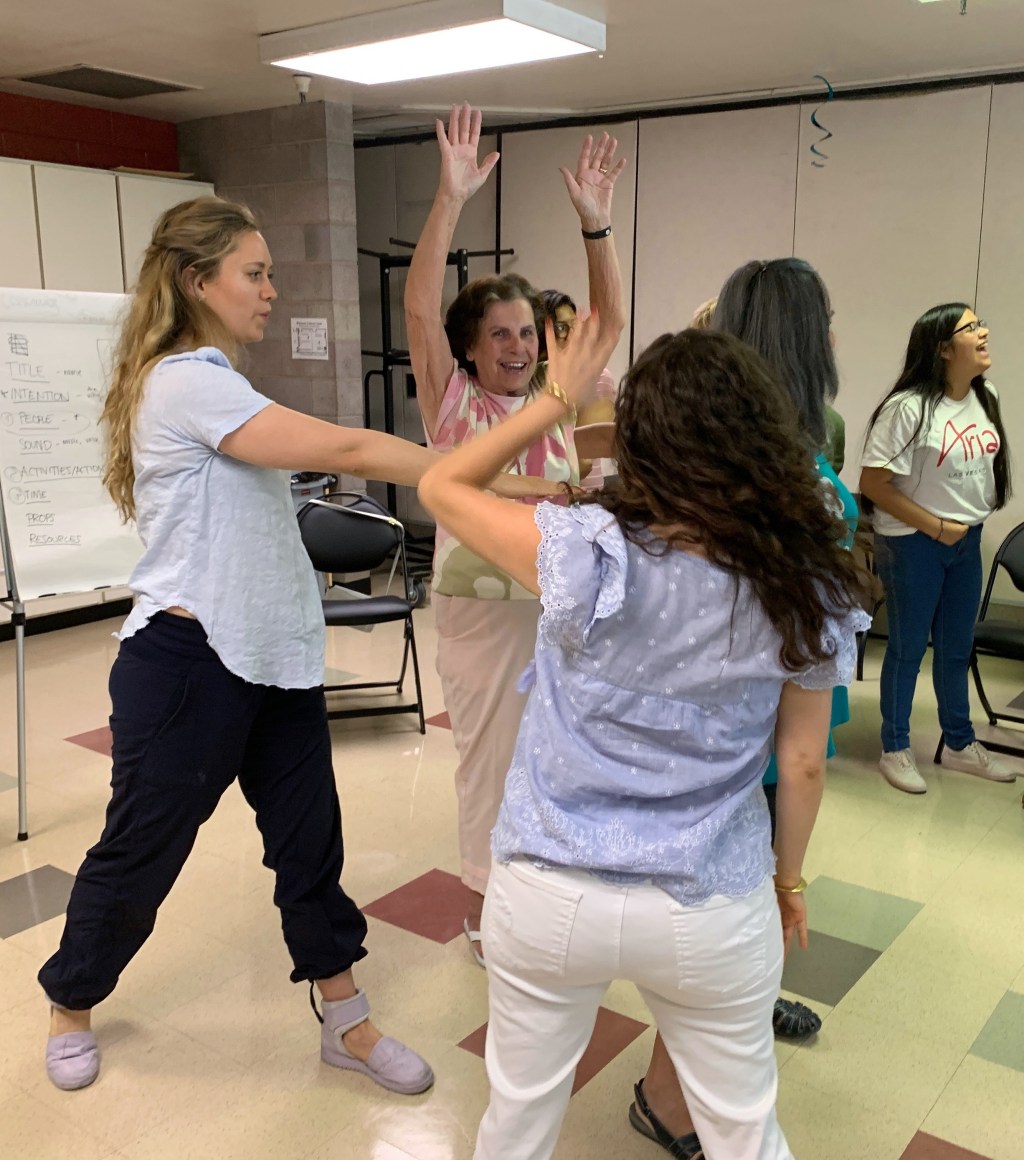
x,y
433,905
442,721
98,740
612,1033
925,1147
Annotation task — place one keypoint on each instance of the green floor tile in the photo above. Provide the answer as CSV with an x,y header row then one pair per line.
x,y
1002,1038
856,914
827,969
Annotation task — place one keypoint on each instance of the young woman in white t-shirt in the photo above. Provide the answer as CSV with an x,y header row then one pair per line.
x,y
935,466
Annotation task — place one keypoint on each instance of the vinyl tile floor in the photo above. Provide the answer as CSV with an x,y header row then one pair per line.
x,y
916,960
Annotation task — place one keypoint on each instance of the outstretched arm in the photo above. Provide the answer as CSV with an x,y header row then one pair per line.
x,y
280,437
461,177
590,189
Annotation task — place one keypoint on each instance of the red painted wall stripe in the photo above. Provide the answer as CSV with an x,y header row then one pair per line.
x,y
39,130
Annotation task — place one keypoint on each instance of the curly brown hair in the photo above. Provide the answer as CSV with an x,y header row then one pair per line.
x,y
707,438
462,322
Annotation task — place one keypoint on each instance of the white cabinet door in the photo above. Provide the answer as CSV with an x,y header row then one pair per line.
x,y
19,242
143,200
79,232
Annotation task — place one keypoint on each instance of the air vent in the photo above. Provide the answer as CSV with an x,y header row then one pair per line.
x,y
102,82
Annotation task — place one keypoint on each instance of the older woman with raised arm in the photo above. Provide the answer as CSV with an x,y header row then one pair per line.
x,y
473,371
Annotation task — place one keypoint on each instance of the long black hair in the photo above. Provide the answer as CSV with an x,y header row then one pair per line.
x,y
781,308
924,375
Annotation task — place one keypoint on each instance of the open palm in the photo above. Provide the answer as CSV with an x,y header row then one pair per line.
x,y
591,186
461,174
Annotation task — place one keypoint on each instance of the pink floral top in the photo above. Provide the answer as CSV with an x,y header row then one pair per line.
x,y
467,410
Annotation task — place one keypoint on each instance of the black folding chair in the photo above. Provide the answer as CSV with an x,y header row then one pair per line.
x,y
349,532
998,638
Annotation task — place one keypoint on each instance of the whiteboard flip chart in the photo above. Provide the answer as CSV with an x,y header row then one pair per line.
x,y
55,356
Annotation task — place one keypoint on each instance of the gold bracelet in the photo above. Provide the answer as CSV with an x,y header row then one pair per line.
x,y
799,888
558,392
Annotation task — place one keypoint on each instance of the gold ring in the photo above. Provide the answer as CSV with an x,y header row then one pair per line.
x,y
603,169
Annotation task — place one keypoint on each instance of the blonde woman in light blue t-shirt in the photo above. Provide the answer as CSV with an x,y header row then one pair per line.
x,y
220,671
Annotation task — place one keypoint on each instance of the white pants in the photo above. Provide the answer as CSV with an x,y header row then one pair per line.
x,y
710,975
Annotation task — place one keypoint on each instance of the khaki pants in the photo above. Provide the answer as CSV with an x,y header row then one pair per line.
x,y
483,646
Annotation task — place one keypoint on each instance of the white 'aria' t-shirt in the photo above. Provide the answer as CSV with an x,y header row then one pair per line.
x,y
947,469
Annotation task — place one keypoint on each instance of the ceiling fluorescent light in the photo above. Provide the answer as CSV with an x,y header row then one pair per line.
x,y
432,39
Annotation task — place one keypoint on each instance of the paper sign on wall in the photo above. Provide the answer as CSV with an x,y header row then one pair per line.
x,y
309,338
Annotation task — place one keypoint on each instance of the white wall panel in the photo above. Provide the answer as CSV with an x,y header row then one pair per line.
x,y
715,190
19,242
1001,290
79,232
892,223
540,224
142,201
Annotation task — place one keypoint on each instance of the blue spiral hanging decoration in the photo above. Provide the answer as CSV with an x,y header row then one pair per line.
x,y
818,156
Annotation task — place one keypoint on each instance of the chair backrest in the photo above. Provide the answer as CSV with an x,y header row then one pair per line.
x,y
356,534
1011,556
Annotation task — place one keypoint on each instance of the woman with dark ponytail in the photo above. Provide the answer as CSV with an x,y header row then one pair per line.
x,y
935,466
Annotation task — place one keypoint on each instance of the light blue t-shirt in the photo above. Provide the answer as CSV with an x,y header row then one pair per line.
x,y
220,536
655,689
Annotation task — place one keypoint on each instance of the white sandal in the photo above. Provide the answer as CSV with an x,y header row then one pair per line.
x,y
474,938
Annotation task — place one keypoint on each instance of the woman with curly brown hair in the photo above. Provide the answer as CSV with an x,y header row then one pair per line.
x,y
687,617
471,373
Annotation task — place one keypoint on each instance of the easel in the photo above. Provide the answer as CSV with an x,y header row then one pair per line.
x,y
13,601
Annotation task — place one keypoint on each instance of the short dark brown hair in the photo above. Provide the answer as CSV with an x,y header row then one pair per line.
x,y
462,322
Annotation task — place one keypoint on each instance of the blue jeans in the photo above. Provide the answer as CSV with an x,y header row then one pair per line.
x,y
936,588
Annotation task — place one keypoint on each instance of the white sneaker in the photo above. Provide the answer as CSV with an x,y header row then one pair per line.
x,y
900,770
976,759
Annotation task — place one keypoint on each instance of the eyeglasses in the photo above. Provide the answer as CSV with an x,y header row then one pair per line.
x,y
563,329
971,327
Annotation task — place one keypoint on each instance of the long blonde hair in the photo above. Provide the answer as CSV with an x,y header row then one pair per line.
x,y
189,242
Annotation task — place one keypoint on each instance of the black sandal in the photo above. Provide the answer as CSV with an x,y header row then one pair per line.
x,y
682,1147
792,1020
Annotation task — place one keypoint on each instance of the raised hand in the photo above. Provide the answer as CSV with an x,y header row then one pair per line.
x,y
461,174
590,187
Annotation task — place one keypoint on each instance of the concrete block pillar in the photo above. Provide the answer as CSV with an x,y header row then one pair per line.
x,y
295,169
